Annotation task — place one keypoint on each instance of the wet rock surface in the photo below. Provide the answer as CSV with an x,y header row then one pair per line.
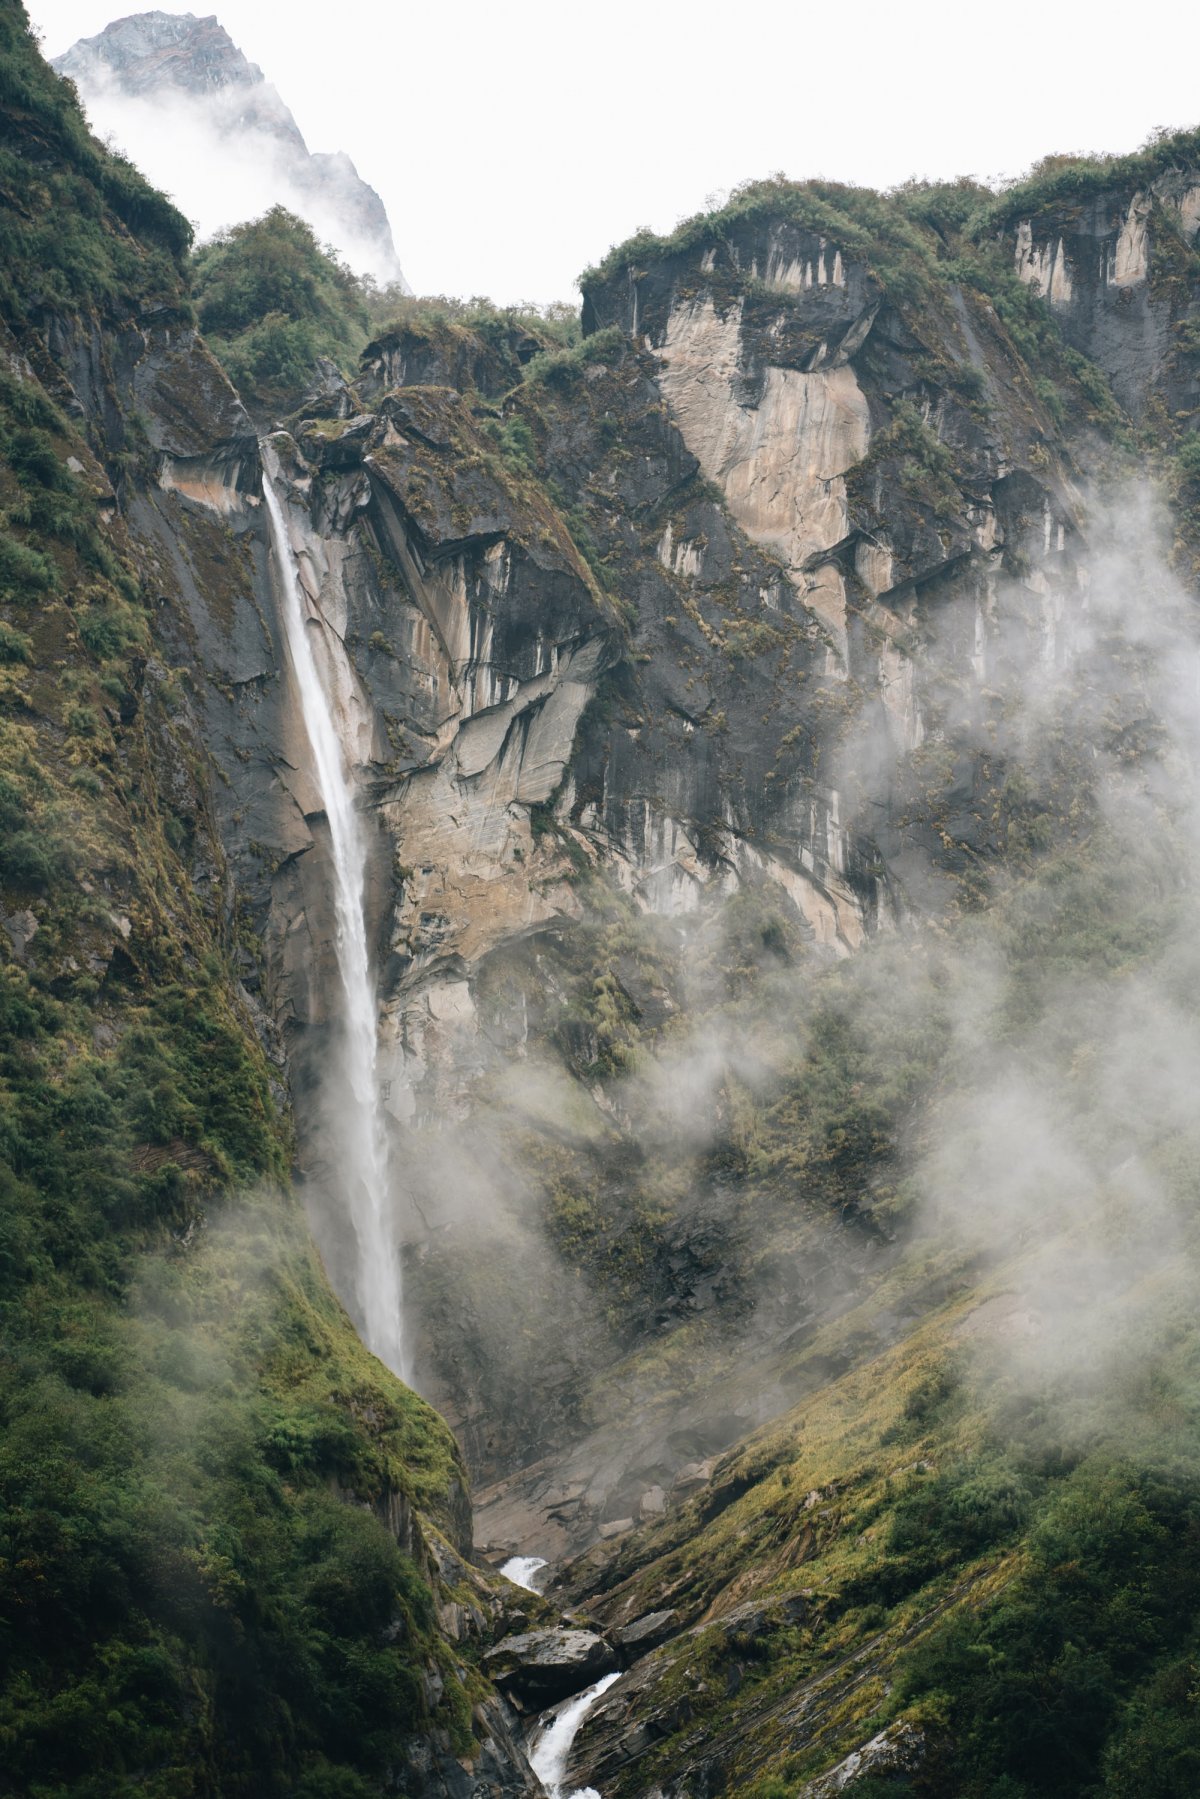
x,y
647,1632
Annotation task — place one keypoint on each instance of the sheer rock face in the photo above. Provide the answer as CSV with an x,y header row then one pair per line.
x,y
1109,268
153,56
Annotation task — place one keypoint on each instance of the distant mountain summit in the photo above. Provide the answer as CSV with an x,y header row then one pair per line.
x,y
150,50
125,74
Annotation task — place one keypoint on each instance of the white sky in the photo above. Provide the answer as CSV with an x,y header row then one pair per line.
x,y
513,145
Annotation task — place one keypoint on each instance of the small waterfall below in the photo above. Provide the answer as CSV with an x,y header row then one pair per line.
x,y
552,1751
362,1153
520,1569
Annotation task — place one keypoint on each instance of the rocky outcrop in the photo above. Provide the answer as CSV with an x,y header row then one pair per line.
x,y
650,1704
894,1753
544,1666
1111,261
647,1632
497,1768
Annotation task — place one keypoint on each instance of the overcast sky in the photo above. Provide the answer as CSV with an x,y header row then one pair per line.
x,y
513,145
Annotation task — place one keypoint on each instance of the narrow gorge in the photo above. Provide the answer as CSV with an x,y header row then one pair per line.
x,y
597,999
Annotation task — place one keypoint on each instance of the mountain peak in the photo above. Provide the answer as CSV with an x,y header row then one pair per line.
x,y
149,50
127,70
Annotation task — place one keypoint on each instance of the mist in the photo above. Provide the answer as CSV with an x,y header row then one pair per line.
x,y
220,169
1012,1063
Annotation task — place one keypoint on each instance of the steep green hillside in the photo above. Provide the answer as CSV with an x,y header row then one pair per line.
x,y
218,1514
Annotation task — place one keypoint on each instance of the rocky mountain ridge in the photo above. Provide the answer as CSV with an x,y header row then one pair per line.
x,y
152,57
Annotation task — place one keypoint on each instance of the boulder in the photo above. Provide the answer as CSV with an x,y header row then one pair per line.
x,y
898,1750
543,1666
647,1632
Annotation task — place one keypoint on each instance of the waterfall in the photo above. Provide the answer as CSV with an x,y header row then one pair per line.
x,y
362,1155
520,1569
553,1748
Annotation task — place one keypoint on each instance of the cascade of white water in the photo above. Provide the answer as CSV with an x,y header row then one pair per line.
x,y
552,1750
362,1160
520,1569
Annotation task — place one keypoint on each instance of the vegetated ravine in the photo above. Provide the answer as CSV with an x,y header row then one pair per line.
x,y
663,844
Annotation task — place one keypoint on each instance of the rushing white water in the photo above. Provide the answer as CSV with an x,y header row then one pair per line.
x,y
520,1569
362,1159
552,1750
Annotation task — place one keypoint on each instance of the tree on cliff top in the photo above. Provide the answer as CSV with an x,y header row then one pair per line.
x,y
271,301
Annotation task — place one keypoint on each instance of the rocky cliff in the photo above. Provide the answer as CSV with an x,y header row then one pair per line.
x,y
826,471
811,468
680,668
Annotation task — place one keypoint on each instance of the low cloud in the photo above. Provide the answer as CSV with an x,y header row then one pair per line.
x,y
221,169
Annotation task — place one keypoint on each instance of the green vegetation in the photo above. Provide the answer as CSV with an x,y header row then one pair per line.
x,y
563,367
79,226
270,301
556,324
1068,180
1045,1690
874,227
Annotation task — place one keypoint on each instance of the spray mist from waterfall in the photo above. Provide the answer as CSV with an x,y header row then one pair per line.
x,y
362,1161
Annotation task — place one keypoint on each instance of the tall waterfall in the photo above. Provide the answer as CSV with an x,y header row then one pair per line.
x,y
362,1159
